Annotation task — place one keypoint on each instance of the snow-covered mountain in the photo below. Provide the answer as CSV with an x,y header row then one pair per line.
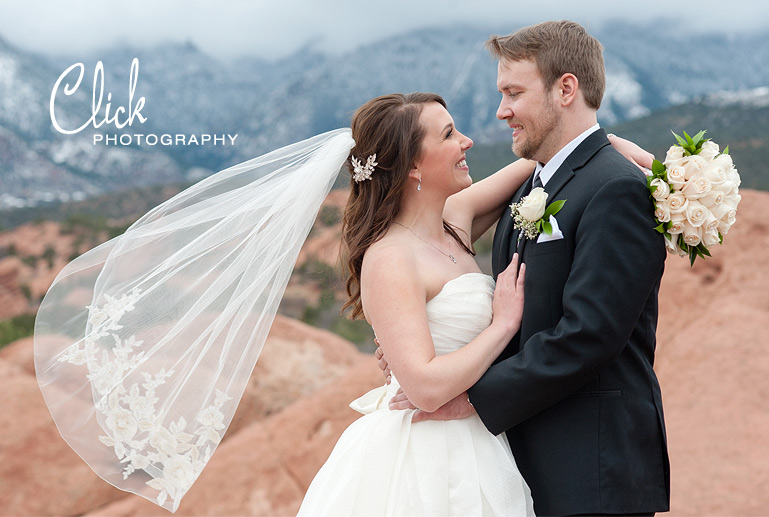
x,y
270,104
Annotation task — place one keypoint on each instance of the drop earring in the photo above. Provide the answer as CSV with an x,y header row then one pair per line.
x,y
419,185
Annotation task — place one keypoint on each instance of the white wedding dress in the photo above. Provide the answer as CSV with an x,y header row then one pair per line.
x,y
385,465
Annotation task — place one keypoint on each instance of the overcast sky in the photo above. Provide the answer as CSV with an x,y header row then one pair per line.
x,y
272,29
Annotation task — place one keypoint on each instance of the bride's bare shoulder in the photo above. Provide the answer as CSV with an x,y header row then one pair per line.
x,y
391,256
390,272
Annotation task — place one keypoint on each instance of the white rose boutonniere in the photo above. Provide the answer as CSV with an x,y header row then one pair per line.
x,y
695,195
531,215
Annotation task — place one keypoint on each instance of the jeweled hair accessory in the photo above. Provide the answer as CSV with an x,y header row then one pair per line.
x,y
363,172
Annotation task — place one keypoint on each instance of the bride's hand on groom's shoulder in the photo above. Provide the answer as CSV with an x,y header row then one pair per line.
x,y
456,409
640,157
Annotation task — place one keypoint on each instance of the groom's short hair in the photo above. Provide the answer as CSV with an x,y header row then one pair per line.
x,y
557,47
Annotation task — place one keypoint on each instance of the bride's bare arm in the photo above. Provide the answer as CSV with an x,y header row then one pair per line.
x,y
394,301
479,206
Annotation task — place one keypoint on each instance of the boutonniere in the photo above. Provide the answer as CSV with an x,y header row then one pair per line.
x,y
531,216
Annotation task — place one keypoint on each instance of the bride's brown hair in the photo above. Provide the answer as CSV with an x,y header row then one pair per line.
x,y
389,127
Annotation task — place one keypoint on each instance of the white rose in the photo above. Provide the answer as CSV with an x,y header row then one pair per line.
x,y
678,202
726,212
724,160
710,238
663,189
676,152
733,201
729,188
696,187
693,164
730,217
711,223
720,211
678,222
533,206
712,198
709,150
696,214
715,173
662,212
692,235
733,176
672,246
723,227
676,176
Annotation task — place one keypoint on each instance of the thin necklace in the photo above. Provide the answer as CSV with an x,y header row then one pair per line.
x,y
449,254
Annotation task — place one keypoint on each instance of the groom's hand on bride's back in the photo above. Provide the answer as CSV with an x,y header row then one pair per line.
x,y
456,409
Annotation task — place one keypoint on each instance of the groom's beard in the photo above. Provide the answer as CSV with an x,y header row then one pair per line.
x,y
536,134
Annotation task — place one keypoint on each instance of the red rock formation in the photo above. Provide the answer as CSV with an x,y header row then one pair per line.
x,y
40,252
297,359
711,360
12,299
41,475
19,354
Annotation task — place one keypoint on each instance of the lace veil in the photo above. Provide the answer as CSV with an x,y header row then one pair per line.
x,y
145,344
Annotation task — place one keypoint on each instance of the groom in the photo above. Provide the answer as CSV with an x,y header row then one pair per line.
x,y
575,390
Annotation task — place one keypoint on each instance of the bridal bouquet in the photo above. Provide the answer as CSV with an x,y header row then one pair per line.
x,y
695,193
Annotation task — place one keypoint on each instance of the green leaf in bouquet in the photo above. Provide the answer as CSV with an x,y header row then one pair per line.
x,y
661,228
547,228
698,251
698,137
658,168
726,151
691,145
681,141
692,257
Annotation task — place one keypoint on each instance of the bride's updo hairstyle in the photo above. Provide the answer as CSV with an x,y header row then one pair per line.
x,y
389,127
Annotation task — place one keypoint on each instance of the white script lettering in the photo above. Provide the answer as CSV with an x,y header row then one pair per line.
x,y
98,83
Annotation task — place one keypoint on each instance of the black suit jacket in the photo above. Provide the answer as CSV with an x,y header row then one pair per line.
x,y
575,389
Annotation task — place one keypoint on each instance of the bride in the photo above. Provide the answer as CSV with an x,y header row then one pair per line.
x,y
408,229
144,345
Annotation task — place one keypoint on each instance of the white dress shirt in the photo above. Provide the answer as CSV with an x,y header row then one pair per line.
x,y
546,171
